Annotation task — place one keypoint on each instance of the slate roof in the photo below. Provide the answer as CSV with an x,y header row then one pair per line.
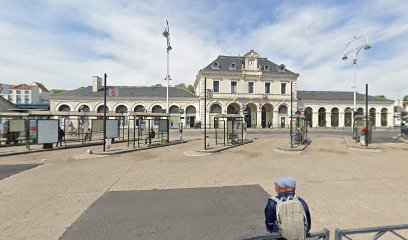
x,y
225,61
21,86
6,105
131,91
336,96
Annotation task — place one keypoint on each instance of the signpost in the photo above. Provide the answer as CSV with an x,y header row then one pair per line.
x,y
104,111
113,91
205,113
210,93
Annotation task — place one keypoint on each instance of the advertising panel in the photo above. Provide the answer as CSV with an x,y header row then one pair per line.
x,y
17,125
47,131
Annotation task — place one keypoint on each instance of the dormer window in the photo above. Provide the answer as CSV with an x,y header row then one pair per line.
x,y
215,65
265,68
281,68
232,66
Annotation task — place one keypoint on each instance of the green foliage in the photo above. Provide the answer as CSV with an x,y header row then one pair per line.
x,y
405,98
381,97
191,89
57,90
157,85
181,85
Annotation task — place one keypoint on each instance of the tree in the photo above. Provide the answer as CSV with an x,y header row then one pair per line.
x,y
158,85
405,101
381,97
54,91
181,85
191,88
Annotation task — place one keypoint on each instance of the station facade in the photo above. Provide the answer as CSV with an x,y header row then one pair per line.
x,y
130,99
249,85
254,87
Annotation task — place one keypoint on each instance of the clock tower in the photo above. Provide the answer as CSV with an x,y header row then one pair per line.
x,y
251,61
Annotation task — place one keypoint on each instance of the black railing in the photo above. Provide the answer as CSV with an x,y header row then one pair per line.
x,y
377,231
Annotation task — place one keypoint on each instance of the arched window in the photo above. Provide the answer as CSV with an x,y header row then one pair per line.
x,y
232,66
191,110
100,109
84,108
157,109
233,108
139,108
174,110
121,109
335,117
360,111
283,110
322,117
347,117
64,108
216,108
384,116
373,115
309,115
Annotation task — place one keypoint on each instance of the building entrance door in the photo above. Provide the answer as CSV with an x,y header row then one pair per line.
x,y
191,121
263,117
283,122
247,110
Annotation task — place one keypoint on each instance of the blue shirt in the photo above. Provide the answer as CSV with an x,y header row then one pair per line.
x,y
270,212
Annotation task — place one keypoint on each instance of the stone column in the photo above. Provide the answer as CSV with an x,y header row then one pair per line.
x,y
341,119
390,119
275,119
378,119
258,118
328,119
315,120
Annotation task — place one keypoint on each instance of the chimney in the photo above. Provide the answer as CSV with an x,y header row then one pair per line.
x,y
96,83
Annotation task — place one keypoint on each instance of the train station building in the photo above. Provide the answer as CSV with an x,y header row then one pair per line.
x,y
249,85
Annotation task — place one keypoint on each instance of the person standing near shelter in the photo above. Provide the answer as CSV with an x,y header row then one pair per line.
x,y
61,135
287,213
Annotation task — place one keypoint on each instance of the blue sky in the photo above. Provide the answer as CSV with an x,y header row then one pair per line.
x,y
63,43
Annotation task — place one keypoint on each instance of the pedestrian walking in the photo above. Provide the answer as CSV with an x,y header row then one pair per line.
x,y
61,135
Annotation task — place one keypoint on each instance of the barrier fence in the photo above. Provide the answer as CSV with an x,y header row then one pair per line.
x,y
372,233
393,232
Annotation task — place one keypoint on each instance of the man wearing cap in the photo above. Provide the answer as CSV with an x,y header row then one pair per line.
x,y
285,187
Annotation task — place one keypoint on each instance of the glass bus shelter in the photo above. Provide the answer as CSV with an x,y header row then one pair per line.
x,y
230,127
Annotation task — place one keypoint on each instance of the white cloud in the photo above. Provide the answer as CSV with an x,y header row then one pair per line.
x,y
123,38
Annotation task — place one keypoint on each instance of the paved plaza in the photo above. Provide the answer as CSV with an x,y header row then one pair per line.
x,y
170,193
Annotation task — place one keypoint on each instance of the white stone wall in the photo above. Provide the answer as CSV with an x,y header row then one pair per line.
x,y
329,105
113,104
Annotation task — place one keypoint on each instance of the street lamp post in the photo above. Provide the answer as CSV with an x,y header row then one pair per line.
x,y
355,50
166,34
